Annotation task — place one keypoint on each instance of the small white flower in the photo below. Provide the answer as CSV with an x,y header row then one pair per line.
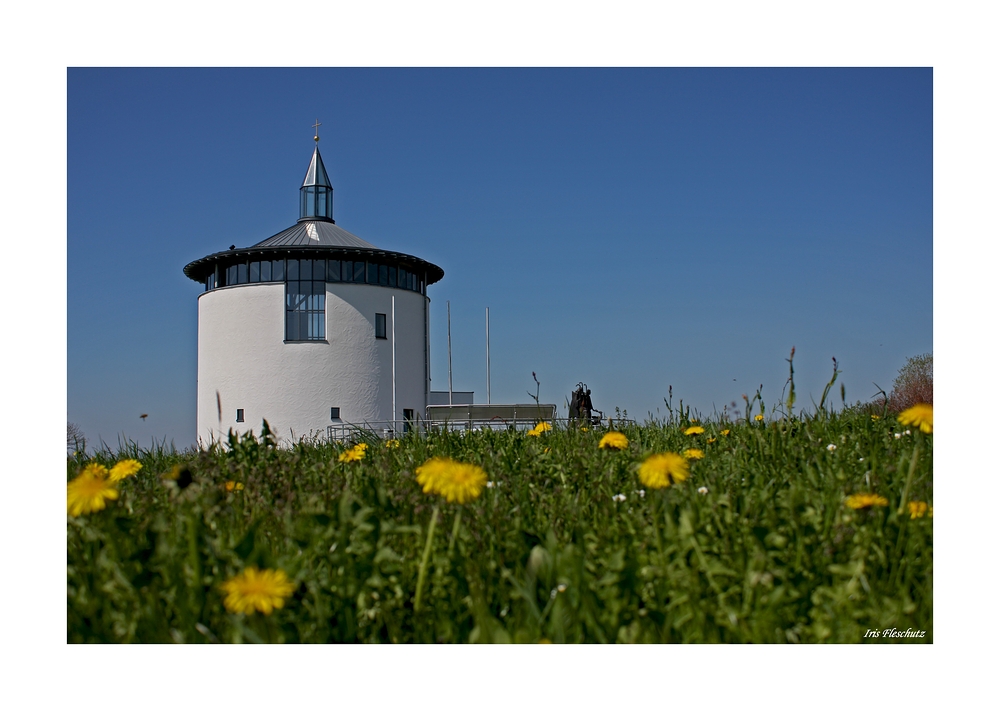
x,y
618,497
897,435
490,485
906,432
561,587
861,459
642,493
831,447
553,593
702,489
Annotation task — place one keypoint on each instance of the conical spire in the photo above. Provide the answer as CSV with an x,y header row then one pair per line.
x,y
316,193
316,174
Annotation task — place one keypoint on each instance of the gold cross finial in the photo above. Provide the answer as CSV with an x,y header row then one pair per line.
x,y
316,126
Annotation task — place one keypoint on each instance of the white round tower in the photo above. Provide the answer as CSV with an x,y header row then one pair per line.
x,y
311,327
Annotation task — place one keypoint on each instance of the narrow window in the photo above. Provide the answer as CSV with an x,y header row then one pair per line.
x,y
239,415
241,273
334,413
372,273
379,325
265,270
383,274
407,419
305,309
254,272
333,270
359,272
278,270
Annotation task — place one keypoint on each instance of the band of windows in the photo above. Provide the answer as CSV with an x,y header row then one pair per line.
x,y
322,270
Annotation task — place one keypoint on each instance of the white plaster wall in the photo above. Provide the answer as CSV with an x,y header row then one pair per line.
x,y
242,356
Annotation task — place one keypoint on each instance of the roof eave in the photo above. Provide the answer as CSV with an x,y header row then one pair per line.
x,y
198,269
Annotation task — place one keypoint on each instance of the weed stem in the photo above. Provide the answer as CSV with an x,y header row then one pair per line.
x,y
423,561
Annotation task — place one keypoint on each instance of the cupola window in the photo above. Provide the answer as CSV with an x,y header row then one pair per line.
x,y
316,193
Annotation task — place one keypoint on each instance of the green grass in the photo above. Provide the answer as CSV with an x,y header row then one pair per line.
x,y
769,555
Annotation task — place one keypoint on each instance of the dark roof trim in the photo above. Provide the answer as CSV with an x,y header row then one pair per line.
x,y
199,269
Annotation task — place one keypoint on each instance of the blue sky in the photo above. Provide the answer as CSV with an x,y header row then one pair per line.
x,y
631,228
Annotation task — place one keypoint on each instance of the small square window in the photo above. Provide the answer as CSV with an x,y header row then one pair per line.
x,y
239,415
334,413
379,325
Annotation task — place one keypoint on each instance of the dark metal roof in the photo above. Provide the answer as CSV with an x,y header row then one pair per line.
x,y
199,269
315,233
316,173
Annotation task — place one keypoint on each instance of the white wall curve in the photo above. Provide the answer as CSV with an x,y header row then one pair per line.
x,y
244,362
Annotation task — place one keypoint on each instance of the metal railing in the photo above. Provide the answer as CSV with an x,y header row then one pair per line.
x,y
393,429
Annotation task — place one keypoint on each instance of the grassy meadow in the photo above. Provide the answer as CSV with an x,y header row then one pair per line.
x,y
761,542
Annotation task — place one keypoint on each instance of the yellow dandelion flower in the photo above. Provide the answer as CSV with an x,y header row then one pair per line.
x,y
696,430
724,433
876,417
124,468
260,590
95,469
921,416
545,451
613,440
583,429
539,428
354,454
455,481
693,454
661,470
864,501
392,443
710,440
917,508
758,418
234,486
90,491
